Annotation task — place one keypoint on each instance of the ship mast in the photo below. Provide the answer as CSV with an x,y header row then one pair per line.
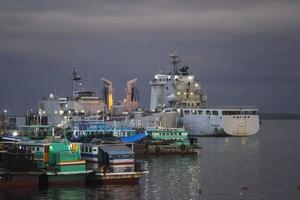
x,y
174,60
76,82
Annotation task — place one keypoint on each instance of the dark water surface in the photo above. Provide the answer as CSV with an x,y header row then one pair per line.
x,y
264,166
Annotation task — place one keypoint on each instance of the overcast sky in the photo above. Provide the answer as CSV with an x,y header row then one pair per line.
x,y
244,52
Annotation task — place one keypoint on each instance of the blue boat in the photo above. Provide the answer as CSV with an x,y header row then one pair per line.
x,y
100,128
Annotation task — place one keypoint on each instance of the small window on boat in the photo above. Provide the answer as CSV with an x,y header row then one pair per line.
x,y
194,112
38,148
208,112
186,112
200,112
94,149
215,112
90,149
86,149
179,133
82,149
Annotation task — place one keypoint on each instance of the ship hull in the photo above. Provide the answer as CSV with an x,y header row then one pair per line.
x,y
221,125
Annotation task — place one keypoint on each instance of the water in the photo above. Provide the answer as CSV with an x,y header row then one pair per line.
x,y
264,166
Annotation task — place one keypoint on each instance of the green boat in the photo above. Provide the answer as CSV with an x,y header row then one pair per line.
x,y
166,141
59,158
169,136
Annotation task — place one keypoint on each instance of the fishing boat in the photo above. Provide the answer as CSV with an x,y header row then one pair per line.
x,y
164,140
111,164
20,170
60,159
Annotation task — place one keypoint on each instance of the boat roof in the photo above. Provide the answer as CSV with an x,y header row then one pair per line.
x,y
117,149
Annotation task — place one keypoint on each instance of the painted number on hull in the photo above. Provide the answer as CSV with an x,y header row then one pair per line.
x,y
136,123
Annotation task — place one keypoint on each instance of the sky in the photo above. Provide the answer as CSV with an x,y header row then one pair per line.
x,y
243,52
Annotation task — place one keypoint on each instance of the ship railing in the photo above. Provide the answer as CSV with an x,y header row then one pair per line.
x,y
234,107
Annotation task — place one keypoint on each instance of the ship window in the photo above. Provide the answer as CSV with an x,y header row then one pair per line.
x,y
86,149
208,112
248,116
194,112
82,149
90,149
200,112
186,112
215,112
179,133
251,112
231,112
38,148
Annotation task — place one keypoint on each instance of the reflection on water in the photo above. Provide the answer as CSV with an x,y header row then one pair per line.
x,y
264,166
172,177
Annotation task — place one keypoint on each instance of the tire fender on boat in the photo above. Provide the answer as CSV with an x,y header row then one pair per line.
x,y
157,150
182,147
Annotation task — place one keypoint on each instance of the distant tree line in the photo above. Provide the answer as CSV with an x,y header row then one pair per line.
x,y
268,116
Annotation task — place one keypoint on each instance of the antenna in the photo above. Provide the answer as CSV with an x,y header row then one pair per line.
x,y
174,60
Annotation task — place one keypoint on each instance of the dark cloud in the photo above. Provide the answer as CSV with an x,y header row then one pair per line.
x,y
244,52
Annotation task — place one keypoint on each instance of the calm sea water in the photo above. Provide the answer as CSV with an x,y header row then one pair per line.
x,y
264,166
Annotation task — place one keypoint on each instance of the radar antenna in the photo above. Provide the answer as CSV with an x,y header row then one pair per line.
x,y
76,76
174,60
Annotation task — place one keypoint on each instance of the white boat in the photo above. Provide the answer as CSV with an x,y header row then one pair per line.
x,y
180,91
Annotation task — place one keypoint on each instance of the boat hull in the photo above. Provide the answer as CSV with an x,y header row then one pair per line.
x,y
22,179
115,178
74,179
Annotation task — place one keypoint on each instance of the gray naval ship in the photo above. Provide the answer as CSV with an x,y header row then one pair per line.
x,y
177,100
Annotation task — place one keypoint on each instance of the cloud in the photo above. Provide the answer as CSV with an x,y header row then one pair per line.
x,y
227,44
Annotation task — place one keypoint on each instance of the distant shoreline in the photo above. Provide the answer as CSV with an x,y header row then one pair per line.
x,y
280,116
